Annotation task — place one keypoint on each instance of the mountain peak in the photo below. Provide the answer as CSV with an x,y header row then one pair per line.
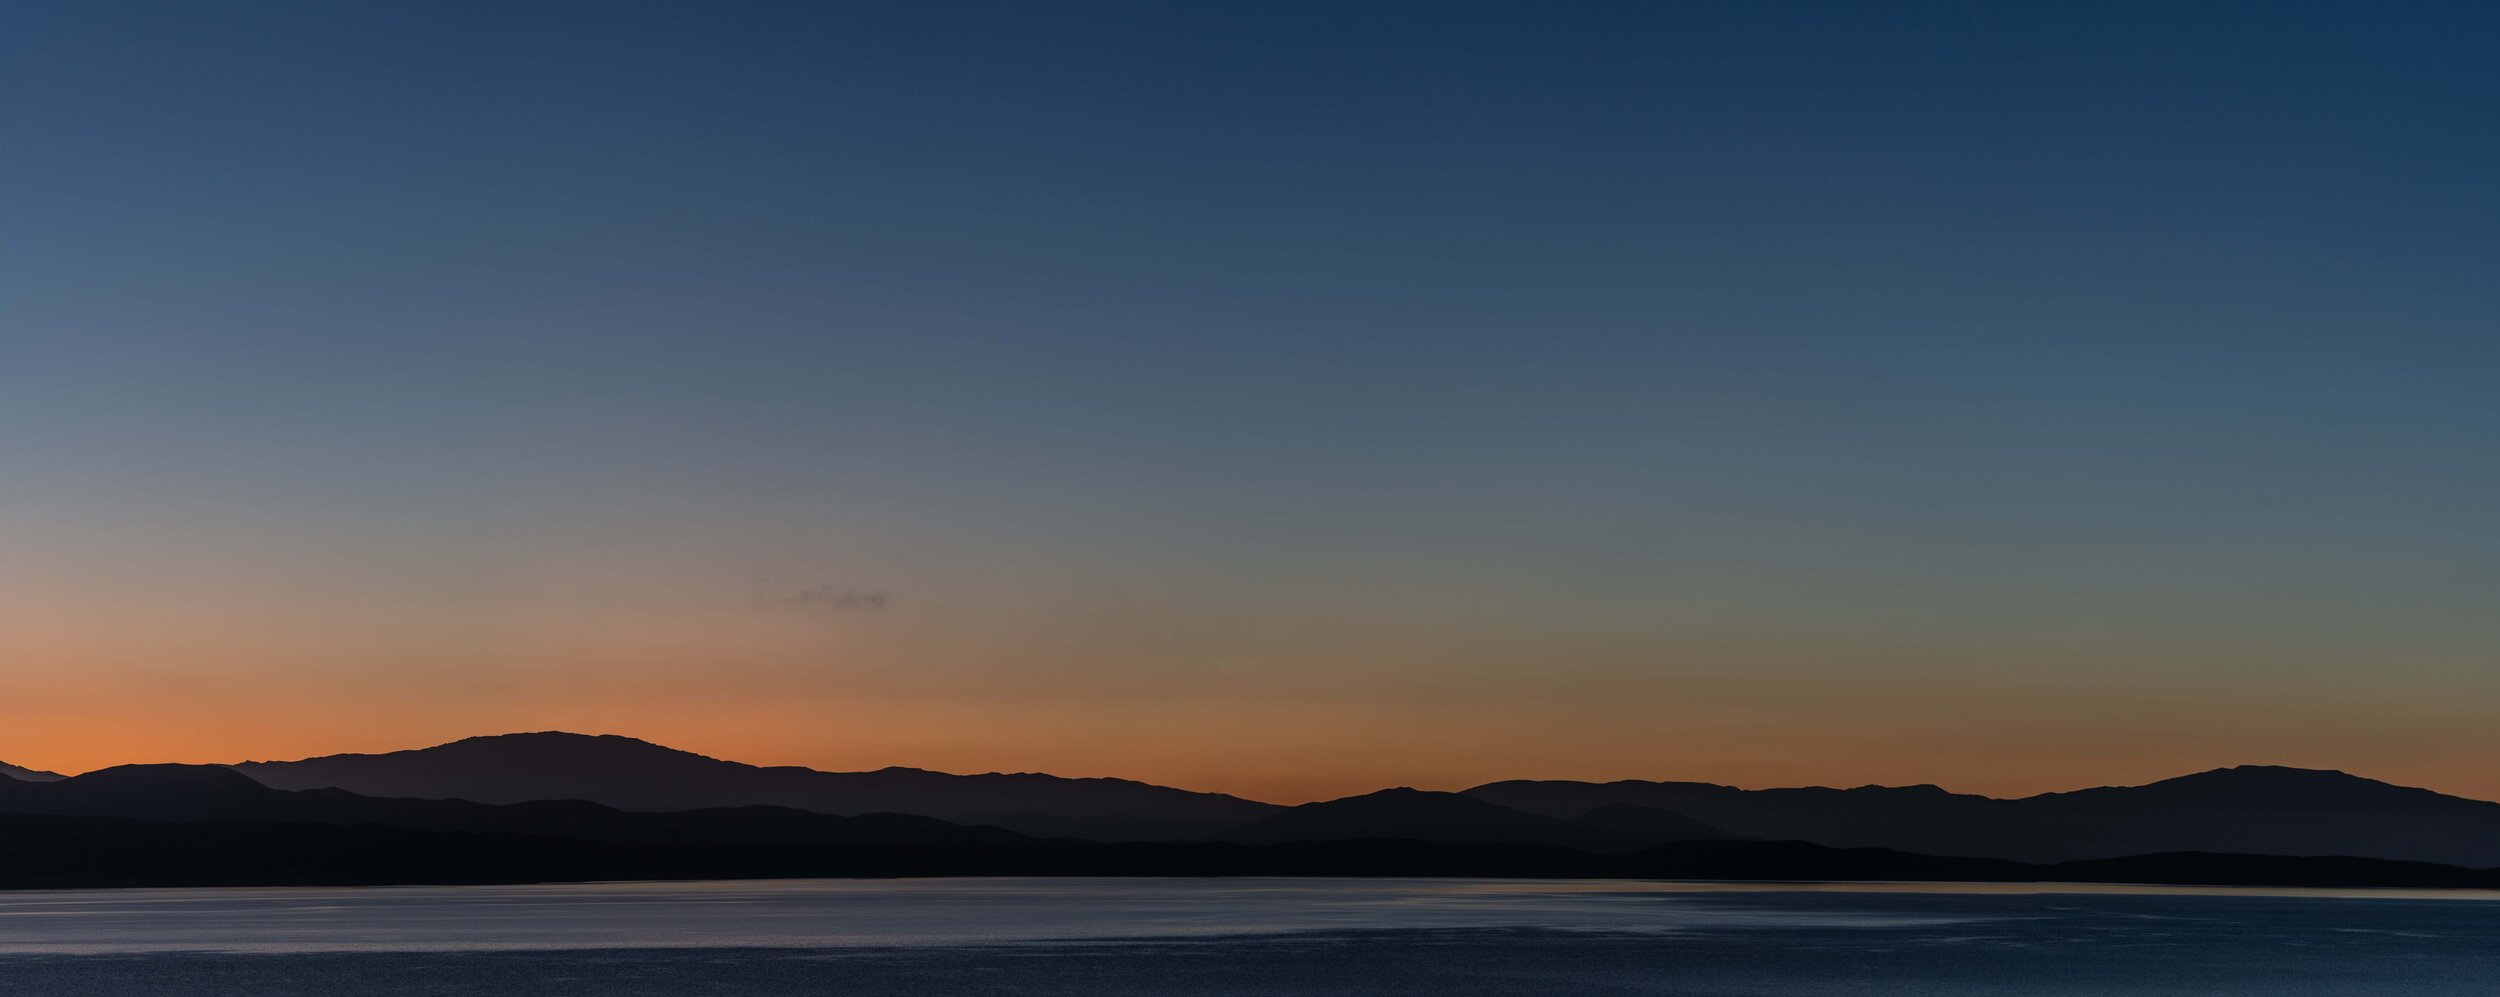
x,y
2264,788
549,736
542,742
2290,771
8,771
2271,777
564,740
137,790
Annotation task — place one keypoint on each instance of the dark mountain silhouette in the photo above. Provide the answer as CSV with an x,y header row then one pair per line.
x,y
141,825
199,793
2266,810
637,775
1418,815
46,852
1624,827
575,786
1399,813
8,771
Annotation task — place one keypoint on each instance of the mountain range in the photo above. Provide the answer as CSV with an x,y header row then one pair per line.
x,y
208,793
2251,809
637,775
702,813
2257,809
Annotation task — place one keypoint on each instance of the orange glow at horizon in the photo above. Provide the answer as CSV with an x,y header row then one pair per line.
x,y
1279,750
1003,679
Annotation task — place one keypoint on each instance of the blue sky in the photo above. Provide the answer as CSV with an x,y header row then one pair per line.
x,y
1373,350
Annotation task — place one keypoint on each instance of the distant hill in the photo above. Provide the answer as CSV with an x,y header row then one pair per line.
x,y
2256,810
637,775
1400,813
9,771
200,825
1625,827
201,793
1418,815
2265,810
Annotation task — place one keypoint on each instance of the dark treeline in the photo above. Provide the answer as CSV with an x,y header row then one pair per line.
x,y
38,852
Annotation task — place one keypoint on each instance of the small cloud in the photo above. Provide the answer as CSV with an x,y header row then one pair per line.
x,y
836,599
822,599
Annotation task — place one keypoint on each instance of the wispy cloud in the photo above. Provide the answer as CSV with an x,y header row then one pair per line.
x,y
838,599
823,599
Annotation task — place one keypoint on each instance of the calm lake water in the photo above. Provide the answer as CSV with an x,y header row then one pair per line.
x,y
1247,936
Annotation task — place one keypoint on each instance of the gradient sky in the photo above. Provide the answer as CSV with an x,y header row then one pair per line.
x,y
1288,399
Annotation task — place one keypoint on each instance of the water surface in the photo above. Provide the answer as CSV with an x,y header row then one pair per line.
x,y
1248,936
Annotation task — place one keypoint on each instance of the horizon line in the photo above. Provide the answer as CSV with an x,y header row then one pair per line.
x,y
4,762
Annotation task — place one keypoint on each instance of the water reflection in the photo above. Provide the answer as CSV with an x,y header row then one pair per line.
x,y
957,912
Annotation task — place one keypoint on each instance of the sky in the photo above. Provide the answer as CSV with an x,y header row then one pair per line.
x,y
1281,399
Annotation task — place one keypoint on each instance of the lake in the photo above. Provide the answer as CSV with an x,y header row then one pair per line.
x,y
1247,936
